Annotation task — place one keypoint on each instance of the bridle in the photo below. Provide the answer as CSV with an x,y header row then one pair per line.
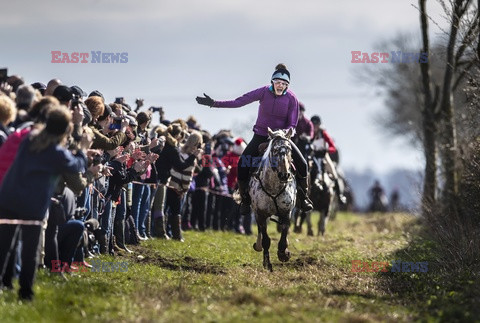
x,y
275,168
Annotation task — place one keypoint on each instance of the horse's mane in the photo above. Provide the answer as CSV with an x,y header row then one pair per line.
x,y
265,162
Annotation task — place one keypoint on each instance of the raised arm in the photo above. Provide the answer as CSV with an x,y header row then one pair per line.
x,y
245,99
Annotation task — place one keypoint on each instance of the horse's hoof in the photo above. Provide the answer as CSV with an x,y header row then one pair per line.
x,y
283,256
297,229
270,268
255,247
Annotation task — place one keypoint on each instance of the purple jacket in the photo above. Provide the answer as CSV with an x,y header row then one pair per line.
x,y
276,112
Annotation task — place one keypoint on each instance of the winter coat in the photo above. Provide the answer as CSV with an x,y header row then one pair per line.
x,y
170,158
275,112
120,176
31,180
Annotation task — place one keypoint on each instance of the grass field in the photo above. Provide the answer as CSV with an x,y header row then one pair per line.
x,y
217,276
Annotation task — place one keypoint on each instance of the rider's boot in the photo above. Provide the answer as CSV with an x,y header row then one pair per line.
x,y
302,196
243,190
341,198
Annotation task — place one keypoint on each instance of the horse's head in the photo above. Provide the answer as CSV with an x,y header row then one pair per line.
x,y
280,154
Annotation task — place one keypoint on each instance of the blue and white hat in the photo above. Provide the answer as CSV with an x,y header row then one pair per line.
x,y
281,73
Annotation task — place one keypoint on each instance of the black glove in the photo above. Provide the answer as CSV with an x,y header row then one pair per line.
x,y
205,100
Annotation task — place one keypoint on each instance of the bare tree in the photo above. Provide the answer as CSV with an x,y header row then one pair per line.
x,y
429,120
448,134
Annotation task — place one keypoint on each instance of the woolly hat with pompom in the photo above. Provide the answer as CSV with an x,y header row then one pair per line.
x,y
281,73
239,146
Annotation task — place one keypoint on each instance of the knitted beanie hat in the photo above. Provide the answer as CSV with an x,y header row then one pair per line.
x,y
281,73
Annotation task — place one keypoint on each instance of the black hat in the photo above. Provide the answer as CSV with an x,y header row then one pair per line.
x,y
77,90
106,112
63,93
316,120
96,93
39,86
57,121
87,116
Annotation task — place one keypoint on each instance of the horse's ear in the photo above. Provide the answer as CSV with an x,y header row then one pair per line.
x,y
270,132
290,133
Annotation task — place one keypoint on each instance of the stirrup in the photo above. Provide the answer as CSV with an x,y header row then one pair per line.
x,y
306,205
275,218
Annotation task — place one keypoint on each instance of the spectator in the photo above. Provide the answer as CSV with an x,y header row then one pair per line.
x,y
168,158
40,160
51,86
180,183
8,113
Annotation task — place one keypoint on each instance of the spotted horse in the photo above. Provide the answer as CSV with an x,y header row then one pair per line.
x,y
273,190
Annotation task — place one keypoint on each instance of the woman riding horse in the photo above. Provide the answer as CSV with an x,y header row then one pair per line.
x,y
278,110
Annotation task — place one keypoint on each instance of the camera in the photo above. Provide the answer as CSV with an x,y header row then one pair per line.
x,y
208,148
119,100
156,109
97,159
75,101
117,123
3,75
80,213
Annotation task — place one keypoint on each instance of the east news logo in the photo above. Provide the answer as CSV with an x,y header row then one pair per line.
x,y
95,57
392,57
398,266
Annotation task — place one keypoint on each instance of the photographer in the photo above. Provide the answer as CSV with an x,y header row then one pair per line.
x,y
101,141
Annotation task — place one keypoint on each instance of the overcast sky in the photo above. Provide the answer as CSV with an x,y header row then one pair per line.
x,y
180,49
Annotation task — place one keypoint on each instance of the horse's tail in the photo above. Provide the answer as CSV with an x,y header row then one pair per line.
x,y
237,197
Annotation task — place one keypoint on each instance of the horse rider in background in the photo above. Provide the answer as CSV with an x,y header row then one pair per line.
x,y
320,145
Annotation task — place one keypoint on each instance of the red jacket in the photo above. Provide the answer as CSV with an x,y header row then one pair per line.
x,y
322,134
231,159
8,150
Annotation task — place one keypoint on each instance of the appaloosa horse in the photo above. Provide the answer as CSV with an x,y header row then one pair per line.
x,y
273,190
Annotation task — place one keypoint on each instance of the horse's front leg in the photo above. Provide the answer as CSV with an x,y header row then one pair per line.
x,y
265,244
297,216
283,253
322,222
257,246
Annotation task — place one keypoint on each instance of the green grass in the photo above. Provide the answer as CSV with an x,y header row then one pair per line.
x,y
217,276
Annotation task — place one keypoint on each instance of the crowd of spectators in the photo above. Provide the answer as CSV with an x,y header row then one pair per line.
x,y
80,176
